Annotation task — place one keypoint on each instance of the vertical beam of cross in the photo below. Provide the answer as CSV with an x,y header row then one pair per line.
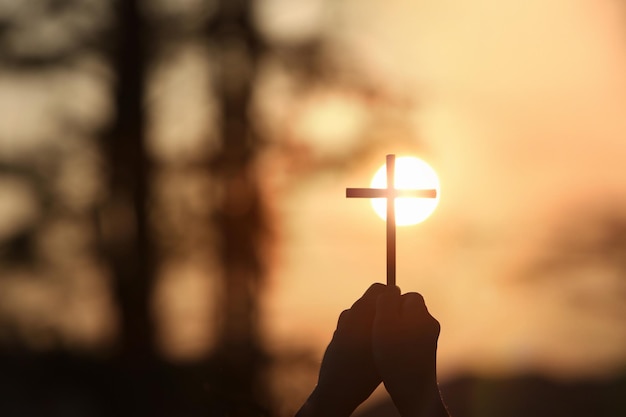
x,y
390,193
391,221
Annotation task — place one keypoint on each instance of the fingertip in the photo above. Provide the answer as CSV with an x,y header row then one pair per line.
x,y
414,296
375,288
343,317
371,294
414,301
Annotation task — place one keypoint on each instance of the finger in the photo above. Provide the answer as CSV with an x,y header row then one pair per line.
x,y
414,307
343,318
389,305
375,290
371,295
363,310
413,303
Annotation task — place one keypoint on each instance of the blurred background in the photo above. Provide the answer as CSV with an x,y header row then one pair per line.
x,y
174,234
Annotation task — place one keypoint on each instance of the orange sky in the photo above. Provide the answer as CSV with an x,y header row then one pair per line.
x,y
522,109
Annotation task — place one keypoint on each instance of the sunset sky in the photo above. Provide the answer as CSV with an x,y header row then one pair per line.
x,y
521,108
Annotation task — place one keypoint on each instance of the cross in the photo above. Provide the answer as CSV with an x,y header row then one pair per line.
x,y
390,193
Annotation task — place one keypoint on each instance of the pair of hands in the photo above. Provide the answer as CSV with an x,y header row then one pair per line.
x,y
384,337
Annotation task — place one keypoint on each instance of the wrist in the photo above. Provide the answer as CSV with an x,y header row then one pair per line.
x,y
419,401
324,403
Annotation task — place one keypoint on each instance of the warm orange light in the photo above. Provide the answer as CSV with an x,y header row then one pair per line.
x,y
412,173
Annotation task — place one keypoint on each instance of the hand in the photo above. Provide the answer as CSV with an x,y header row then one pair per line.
x,y
404,343
348,375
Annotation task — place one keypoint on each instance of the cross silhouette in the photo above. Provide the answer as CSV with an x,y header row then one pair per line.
x,y
390,193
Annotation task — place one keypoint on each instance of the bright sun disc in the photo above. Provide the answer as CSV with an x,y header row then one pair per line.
x,y
412,173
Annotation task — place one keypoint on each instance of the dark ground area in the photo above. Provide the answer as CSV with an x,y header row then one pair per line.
x,y
526,396
537,396
65,385
54,385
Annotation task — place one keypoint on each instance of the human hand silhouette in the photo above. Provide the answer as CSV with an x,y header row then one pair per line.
x,y
404,346
385,337
348,374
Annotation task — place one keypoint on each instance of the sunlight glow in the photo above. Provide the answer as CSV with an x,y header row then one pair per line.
x,y
411,172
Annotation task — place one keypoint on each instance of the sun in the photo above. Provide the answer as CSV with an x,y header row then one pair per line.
x,y
411,172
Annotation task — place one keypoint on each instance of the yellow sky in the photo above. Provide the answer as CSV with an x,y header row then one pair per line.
x,y
522,106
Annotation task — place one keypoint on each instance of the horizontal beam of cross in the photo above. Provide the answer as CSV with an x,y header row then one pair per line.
x,y
389,193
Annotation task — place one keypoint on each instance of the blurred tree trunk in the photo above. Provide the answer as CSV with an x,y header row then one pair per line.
x,y
125,220
239,218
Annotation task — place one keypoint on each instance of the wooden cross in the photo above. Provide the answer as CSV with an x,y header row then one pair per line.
x,y
390,193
